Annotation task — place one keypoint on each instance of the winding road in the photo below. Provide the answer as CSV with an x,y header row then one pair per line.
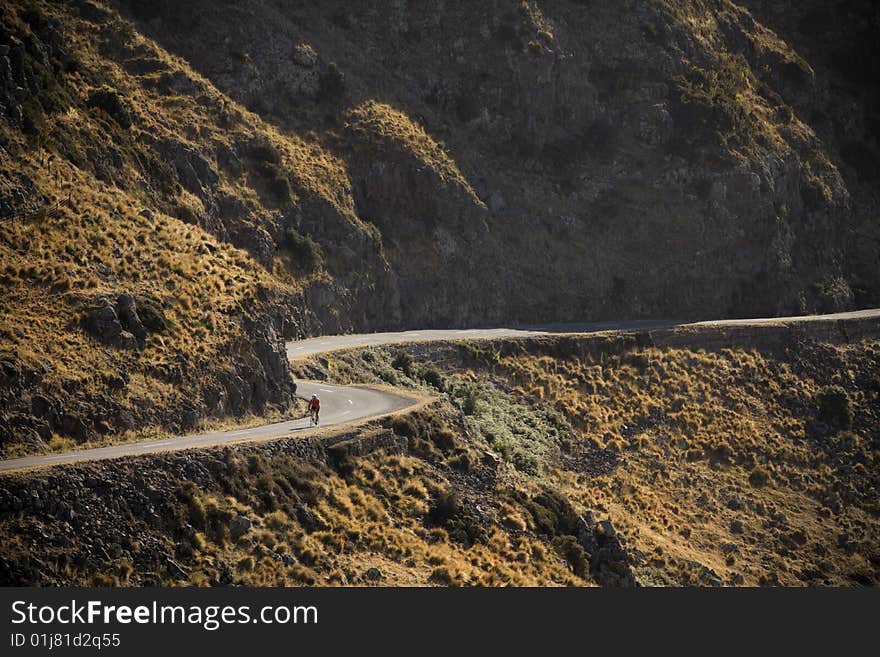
x,y
339,405
345,404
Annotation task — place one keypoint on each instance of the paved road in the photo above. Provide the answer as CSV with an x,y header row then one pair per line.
x,y
312,346
339,404
343,404
870,313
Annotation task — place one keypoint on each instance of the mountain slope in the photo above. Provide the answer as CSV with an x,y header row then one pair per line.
x,y
634,158
245,172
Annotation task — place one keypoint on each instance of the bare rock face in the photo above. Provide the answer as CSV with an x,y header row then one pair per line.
x,y
263,376
104,324
126,310
602,174
195,173
239,526
610,563
117,325
656,126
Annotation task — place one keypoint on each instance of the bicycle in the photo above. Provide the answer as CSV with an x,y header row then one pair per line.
x,y
313,417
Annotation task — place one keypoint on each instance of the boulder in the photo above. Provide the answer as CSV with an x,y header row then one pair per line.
x,y
103,322
118,325
610,564
194,172
587,533
75,427
239,526
46,408
304,55
126,311
126,340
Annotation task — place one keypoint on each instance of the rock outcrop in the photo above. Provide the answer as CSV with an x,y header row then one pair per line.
x,y
610,564
589,167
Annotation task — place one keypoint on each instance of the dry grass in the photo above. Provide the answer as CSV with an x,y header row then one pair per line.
x,y
387,128
370,521
721,459
729,466
89,230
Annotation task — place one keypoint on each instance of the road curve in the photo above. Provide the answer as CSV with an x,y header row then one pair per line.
x,y
339,405
342,404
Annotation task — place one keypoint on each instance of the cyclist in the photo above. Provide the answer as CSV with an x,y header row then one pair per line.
x,y
314,408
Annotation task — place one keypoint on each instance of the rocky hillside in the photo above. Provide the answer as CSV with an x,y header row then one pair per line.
x,y
183,185
745,457
721,456
593,159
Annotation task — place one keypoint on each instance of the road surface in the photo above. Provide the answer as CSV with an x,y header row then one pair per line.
x,y
339,404
313,346
342,404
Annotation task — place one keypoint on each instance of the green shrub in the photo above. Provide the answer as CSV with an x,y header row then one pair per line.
x,y
217,522
462,524
469,403
834,406
444,439
277,181
759,477
466,529
279,185
403,362
525,462
552,513
331,85
461,462
111,101
570,550
445,507
403,425
188,495
434,379
307,255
